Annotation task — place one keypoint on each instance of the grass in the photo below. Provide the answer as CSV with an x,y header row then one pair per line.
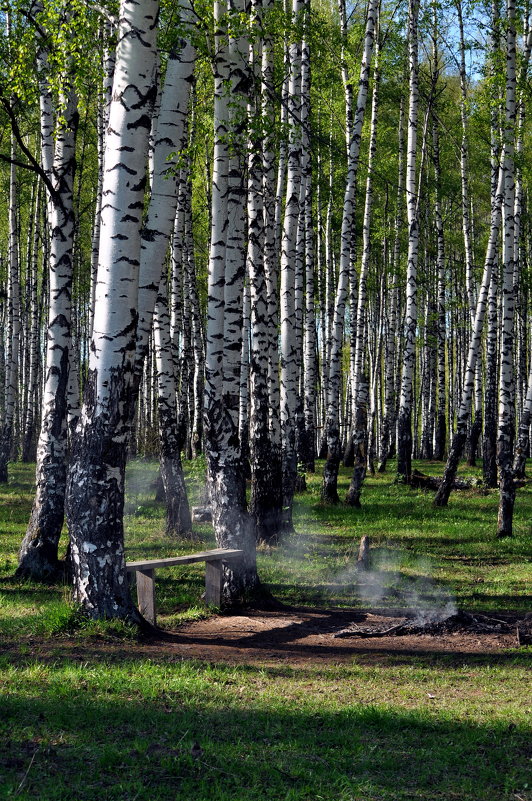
x,y
115,720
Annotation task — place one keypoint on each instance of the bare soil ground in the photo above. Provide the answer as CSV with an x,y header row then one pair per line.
x,y
293,636
303,636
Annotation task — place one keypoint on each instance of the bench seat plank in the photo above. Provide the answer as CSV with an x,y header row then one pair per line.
x,y
187,559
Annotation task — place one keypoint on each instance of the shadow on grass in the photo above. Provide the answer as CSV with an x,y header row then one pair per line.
x,y
84,742
12,584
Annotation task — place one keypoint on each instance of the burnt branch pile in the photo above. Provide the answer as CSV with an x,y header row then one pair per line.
x,y
461,622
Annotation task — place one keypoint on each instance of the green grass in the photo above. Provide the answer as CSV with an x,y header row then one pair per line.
x,y
114,720
410,728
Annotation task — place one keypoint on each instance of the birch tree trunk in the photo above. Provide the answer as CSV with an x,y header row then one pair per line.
x,y
244,394
288,318
522,446
489,445
489,440
456,450
102,123
233,83
197,328
476,428
464,172
14,326
330,473
307,445
440,437
266,474
388,425
272,238
260,507
506,423
29,447
168,142
178,520
404,423
95,493
38,558
360,411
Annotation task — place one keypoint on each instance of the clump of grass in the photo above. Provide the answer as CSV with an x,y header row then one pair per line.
x,y
59,617
66,618
187,615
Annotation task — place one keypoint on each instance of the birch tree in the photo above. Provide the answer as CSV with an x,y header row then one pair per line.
x,y
388,425
404,422
227,256
506,422
330,473
360,412
168,140
522,446
459,438
489,440
95,492
476,428
13,323
289,355
38,557
178,520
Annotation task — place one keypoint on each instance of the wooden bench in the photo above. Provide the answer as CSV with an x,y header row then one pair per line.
x,y
145,573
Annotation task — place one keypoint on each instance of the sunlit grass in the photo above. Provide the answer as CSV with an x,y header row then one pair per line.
x,y
456,546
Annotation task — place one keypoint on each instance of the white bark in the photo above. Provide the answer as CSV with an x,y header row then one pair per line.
x,y
310,339
455,452
168,142
29,452
102,123
178,520
288,321
330,493
523,435
224,299
388,427
506,423
359,408
14,326
244,394
96,482
404,439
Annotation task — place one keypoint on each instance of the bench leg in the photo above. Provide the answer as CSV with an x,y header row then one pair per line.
x,y
146,594
213,582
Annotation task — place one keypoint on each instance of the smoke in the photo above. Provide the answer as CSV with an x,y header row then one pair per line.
x,y
142,484
141,479
400,579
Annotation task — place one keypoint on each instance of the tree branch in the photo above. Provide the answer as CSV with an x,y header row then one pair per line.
x,y
33,163
106,14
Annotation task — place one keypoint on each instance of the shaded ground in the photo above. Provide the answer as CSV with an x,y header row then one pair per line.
x,y
293,636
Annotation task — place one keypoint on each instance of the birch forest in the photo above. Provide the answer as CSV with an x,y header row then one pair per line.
x,y
279,235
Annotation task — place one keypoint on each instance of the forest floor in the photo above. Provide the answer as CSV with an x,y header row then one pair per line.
x,y
272,704
294,636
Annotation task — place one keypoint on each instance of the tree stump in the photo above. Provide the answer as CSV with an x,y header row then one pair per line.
x,y
363,553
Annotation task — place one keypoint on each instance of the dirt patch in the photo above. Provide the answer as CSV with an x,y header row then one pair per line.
x,y
303,635
292,636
